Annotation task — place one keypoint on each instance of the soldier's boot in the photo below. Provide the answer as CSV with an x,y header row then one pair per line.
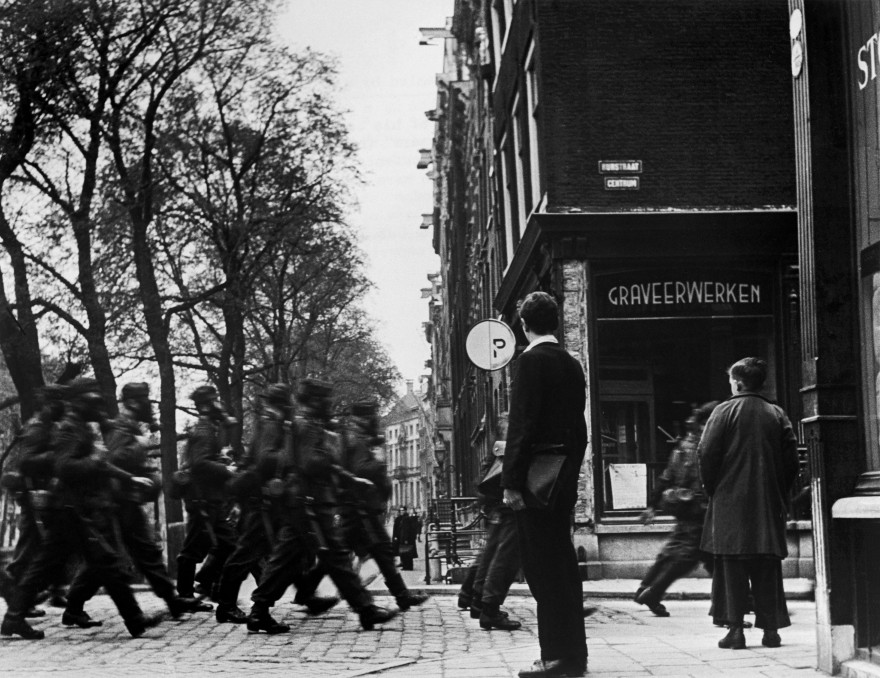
x,y
316,605
191,604
260,620
79,618
186,575
14,624
409,599
35,612
372,615
230,614
138,625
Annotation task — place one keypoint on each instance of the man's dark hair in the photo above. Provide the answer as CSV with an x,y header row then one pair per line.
x,y
540,312
750,372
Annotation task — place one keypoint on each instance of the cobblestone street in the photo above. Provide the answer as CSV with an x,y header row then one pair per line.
x,y
436,640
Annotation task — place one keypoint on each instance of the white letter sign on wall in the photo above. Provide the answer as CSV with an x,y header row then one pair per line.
x,y
490,344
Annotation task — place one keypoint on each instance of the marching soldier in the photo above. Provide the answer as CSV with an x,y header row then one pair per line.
x,y
203,477
363,505
260,491
308,528
32,484
85,523
125,442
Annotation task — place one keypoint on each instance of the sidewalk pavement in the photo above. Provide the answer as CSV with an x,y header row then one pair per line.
x,y
436,640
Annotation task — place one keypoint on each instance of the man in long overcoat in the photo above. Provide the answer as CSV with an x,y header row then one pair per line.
x,y
748,462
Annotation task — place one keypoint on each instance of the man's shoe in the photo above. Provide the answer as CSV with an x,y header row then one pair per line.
x,y
590,610
464,601
771,638
552,667
196,604
138,625
79,618
372,615
476,609
319,605
21,628
230,614
35,612
411,599
498,621
638,593
261,620
734,640
647,597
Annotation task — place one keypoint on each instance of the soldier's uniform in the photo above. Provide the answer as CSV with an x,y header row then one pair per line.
x,y
309,518
127,452
260,489
362,507
208,530
35,492
84,524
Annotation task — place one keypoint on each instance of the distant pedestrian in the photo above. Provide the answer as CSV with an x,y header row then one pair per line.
x,y
679,491
403,538
749,462
547,415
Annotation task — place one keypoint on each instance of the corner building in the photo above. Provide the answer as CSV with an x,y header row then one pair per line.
x,y
645,157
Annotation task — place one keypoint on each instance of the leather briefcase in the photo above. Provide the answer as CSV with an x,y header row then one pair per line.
x,y
490,485
542,480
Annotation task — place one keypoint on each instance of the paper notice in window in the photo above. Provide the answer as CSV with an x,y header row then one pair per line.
x,y
629,485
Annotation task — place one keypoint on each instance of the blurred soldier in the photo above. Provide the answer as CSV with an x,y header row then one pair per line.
x,y
363,505
204,473
32,484
311,495
127,450
260,492
85,523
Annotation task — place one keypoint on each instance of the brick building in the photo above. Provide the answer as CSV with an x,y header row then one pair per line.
x,y
634,158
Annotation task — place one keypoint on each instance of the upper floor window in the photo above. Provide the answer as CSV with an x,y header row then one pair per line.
x,y
501,15
523,202
532,113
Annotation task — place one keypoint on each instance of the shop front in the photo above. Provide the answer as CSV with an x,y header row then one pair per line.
x,y
656,307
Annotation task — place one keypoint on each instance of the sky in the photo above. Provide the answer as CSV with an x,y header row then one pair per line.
x,y
387,82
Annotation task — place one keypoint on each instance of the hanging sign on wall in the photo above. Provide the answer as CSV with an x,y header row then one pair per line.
x,y
683,292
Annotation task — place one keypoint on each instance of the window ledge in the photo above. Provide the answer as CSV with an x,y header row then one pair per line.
x,y
857,508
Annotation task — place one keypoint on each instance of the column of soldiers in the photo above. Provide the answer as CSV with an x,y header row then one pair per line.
x,y
309,493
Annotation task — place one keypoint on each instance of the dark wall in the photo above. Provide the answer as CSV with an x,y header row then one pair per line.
x,y
699,91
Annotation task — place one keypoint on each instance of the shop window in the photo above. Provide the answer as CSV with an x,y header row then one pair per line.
x,y
665,339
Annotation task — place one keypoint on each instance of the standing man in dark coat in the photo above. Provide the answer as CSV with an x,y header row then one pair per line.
x,y
749,462
547,411
403,538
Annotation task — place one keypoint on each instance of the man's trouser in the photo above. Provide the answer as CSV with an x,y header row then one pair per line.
x,y
203,520
361,532
90,534
140,542
732,581
499,562
254,544
294,547
550,566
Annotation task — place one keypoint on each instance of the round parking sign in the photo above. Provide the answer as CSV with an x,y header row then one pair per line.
x,y
490,344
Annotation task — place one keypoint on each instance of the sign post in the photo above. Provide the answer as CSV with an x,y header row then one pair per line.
x,y
490,345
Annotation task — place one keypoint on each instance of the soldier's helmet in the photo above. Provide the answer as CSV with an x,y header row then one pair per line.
x,y
314,390
203,395
365,408
135,390
277,395
83,388
85,396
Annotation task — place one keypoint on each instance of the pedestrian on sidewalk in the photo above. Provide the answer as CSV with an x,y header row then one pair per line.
x,y
679,490
499,562
547,413
748,462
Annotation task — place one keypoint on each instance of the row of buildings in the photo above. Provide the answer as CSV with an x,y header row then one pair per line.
x,y
694,182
